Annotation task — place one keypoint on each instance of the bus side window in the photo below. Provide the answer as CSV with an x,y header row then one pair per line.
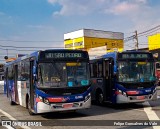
x,y
94,70
91,70
107,69
24,74
100,69
10,72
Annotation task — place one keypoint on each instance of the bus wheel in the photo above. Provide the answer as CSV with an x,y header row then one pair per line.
x,y
100,98
29,107
10,99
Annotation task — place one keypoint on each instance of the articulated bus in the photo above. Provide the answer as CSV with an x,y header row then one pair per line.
x,y
49,81
123,77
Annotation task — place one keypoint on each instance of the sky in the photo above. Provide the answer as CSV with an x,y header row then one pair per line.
x,y
43,23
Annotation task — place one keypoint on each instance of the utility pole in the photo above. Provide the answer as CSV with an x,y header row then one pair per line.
x,y
136,37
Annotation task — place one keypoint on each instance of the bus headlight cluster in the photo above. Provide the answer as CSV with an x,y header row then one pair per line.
x,y
87,97
121,92
45,100
40,98
124,93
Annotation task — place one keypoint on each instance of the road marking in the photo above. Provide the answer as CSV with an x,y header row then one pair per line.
x,y
11,118
151,114
141,110
8,127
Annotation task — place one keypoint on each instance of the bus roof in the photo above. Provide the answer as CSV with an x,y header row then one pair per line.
x,y
36,54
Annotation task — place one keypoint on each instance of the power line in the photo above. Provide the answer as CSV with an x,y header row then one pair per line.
x,y
142,33
15,48
149,30
129,38
10,40
27,47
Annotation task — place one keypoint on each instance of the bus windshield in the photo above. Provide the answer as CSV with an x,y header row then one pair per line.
x,y
135,71
70,74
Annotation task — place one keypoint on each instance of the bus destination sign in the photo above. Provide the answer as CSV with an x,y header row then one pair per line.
x,y
134,55
63,55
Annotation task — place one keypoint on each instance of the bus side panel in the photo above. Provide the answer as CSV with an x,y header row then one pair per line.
x,y
22,91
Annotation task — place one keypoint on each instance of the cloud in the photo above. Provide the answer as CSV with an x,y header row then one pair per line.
x,y
136,11
116,7
52,1
80,7
139,13
135,14
123,8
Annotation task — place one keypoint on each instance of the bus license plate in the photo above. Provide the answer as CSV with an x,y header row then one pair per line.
x,y
140,97
68,105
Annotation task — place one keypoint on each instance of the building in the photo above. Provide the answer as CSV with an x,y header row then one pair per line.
x,y
154,45
94,41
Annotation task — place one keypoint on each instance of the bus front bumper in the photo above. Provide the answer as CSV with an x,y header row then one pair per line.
x,y
135,99
56,107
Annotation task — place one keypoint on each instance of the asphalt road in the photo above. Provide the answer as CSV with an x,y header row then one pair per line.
x,y
97,117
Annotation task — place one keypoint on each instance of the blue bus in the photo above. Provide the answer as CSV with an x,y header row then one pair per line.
x,y
123,77
49,81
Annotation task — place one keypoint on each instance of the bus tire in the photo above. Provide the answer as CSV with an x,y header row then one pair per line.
x,y
29,107
99,98
10,100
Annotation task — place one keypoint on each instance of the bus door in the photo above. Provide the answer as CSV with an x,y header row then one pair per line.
x,y
15,83
108,66
31,86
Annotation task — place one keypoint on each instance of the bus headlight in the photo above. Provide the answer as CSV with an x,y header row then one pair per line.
x,y
120,91
124,93
40,98
46,101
